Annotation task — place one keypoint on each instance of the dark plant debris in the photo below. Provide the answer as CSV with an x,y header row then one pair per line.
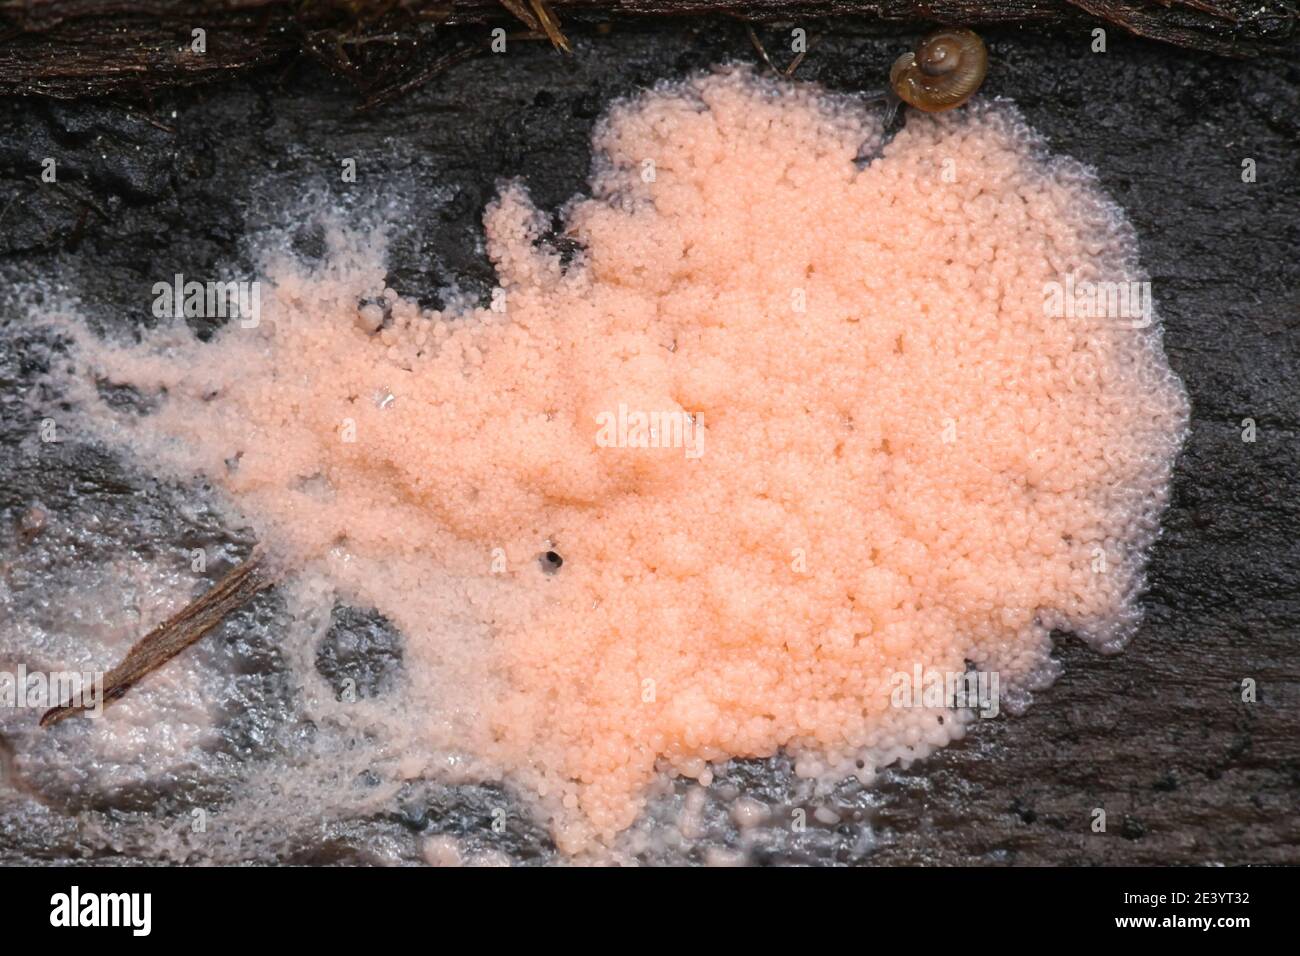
x,y
71,48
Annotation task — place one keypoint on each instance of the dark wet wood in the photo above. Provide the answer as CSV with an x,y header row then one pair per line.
x,y
1160,736
76,47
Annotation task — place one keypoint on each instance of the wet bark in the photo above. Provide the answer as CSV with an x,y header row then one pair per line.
x,y
1159,737
76,47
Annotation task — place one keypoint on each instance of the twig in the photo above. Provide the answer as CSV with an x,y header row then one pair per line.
x,y
170,638
788,72
758,45
794,64
551,25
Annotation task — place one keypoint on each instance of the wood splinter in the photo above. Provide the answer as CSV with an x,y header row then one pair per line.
x,y
175,634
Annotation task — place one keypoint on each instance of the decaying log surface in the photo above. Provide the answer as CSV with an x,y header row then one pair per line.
x,y
1159,737
74,47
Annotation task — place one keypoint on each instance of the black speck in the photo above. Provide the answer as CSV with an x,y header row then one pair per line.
x,y
1132,830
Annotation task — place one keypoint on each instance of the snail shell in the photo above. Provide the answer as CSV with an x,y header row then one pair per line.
x,y
944,72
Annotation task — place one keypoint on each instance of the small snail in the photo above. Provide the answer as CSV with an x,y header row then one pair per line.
x,y
944,72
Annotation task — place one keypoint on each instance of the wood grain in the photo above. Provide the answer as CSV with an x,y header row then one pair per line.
x,y
1158,736
69,48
